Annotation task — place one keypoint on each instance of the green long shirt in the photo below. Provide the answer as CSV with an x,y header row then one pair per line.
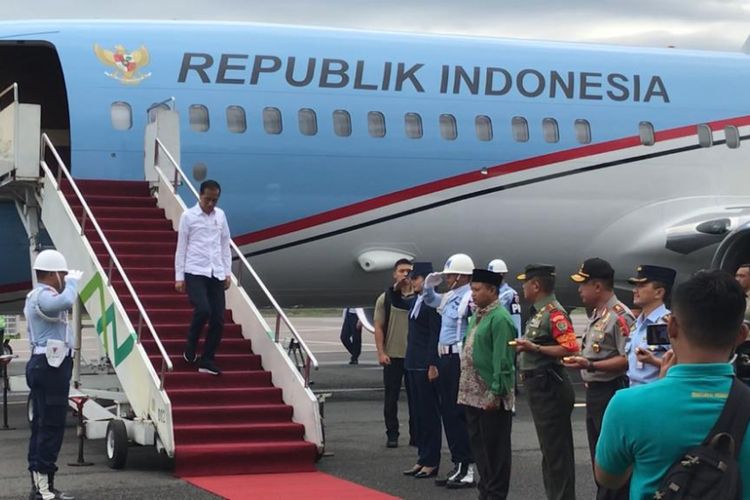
x,y
493,357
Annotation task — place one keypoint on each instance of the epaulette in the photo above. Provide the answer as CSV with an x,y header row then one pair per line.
x,y
621,321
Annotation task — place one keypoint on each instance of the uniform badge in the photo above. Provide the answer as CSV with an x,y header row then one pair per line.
x,y
596,347
562,326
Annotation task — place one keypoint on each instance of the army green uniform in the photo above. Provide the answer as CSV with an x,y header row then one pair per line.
x,y
551,396
605,337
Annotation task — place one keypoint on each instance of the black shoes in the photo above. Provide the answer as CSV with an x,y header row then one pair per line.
x,y
189,355
209,367
354,361
392,442
413,471
444,480
425,474
464,478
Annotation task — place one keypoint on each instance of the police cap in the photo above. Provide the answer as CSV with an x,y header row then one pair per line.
x,y
593,269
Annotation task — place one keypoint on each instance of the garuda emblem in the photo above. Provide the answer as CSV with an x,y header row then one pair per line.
x,y
127,65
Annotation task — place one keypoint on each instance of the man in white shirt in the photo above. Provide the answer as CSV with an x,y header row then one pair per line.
x,y
203,264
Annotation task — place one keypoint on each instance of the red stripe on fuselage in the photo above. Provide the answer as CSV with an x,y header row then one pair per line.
x,y
474,176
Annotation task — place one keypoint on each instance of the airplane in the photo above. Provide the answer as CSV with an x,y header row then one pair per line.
x,y
340,151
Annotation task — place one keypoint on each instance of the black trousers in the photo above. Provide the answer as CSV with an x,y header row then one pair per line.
x,y
598,395
351,336
489,434
426,406
49,397
453,415
207,297
393,376
551,400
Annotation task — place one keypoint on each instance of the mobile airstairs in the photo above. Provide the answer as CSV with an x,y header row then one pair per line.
x,y
260,414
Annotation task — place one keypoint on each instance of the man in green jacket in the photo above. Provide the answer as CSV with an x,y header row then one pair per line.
x,y
486,385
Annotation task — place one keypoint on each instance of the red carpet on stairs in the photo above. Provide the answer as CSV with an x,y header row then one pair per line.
x,y
236,423
283,486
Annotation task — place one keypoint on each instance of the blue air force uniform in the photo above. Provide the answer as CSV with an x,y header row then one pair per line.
x,y
642,373
421,353
454,310
46,313
508,298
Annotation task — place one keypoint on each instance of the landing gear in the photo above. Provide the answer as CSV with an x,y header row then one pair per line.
x,y
117,444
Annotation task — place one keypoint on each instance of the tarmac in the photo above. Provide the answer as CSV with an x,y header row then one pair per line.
x,y
354,429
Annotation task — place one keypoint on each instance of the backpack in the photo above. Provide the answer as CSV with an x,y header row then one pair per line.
x,y
711,470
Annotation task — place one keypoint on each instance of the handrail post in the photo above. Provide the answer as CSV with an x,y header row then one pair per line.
x,y
84,218
278,327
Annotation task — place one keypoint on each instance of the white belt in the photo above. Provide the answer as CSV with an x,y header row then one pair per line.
x,y
43,350
445,350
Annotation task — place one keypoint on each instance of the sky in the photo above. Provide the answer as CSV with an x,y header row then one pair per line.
x,y
690,24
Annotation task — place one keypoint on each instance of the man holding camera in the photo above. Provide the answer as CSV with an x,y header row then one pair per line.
x,y
653,285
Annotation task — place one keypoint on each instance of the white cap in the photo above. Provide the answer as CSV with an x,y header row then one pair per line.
x,y
498,266
459,264
50,260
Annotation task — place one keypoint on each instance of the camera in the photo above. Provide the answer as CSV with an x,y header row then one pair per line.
x,y
657,334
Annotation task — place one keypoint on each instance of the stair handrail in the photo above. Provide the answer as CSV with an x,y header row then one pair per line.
x,y
16,122
311,361
13,87
87,215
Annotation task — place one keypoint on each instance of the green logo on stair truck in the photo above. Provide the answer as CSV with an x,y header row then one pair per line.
x,y
108,318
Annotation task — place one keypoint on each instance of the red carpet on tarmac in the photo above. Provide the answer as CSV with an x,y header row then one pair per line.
x,y
281,486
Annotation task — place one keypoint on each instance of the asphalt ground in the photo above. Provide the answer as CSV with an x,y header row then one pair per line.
x,y
354,428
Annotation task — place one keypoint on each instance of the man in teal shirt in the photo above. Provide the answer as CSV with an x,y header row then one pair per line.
x,y
647,428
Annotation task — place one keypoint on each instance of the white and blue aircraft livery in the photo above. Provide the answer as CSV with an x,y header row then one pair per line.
x,y
340,151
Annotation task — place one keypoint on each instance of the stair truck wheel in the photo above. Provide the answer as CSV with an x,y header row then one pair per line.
x,y
117,444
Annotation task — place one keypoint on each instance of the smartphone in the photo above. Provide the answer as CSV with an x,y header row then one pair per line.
x,y
657,334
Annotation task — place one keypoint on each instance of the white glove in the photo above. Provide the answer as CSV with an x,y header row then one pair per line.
x,y
74,275
433,279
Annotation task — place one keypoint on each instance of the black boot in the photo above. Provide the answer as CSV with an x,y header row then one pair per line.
x,y
34,495
59,495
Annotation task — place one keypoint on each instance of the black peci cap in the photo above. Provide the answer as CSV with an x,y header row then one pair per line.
x,y
485,276
420,269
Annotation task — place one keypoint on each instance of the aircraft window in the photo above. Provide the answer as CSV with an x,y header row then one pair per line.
x,y
520,129
733,136
551,130
583,131
705,136
483,125
198,117
376,124
236,119
342,123
272,120
448,129
122,115
308,121
646,131
413,122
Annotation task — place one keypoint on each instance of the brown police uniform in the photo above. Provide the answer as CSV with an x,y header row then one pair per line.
x,y
605,337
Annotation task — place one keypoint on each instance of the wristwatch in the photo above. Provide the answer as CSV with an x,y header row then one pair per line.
x,y
590,368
